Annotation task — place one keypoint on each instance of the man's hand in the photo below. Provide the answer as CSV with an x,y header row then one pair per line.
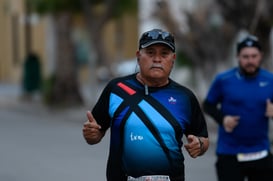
x,y
196,147
91,130
269,109
230,122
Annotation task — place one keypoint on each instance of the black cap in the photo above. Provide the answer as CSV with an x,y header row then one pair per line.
x,y
156,36
249,41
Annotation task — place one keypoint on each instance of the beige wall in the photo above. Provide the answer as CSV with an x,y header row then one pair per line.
x,y
5,39
12,52
124,48
12,36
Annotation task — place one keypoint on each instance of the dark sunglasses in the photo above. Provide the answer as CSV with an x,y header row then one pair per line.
x,y
154,35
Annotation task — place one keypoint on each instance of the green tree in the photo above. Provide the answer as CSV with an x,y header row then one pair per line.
x,y
97,16
65,88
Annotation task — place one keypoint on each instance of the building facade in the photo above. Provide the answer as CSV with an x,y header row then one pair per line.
x,y
19,33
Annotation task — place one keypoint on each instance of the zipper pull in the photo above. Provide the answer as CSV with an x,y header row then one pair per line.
x,y
146,89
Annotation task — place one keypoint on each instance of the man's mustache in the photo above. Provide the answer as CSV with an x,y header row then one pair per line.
x,y
156,66
250,65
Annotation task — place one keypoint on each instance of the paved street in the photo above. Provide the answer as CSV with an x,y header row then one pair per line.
x,y
39,144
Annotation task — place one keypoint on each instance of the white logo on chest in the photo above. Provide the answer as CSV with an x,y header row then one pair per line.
x,y
263,84
135,137
172,100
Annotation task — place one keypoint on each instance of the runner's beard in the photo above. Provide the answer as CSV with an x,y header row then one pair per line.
x,y
249,73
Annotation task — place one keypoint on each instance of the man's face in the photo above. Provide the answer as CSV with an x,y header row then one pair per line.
x,y
250,60
156,61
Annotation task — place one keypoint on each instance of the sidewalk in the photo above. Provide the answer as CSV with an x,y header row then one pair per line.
x,y
11,101
8,93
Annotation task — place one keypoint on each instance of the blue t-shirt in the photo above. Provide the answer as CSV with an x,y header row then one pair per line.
x,y
133,144
245,97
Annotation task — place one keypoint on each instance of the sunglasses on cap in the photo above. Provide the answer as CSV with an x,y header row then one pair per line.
x,y
156,36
